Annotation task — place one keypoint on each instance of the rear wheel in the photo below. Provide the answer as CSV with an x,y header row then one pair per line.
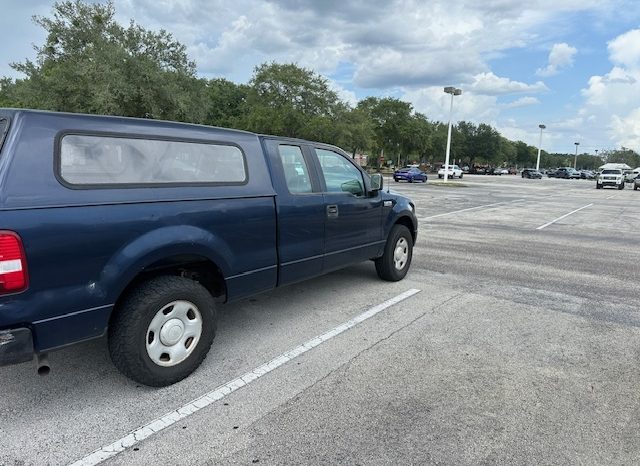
x,y
460,175
162,330
394,263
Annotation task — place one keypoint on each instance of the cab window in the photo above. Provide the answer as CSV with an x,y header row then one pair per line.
x,y
296,172
339,174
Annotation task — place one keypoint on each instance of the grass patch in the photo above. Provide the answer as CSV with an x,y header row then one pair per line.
x,y
452,184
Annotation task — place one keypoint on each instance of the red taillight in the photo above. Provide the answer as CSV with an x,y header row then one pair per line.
x,y
13,264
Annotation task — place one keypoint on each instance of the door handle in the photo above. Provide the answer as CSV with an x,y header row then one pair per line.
x,y
332,211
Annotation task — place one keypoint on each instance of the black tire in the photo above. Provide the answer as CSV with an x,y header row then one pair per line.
x,y
598,186
460,175
410,180
621,186
440,176
385,265
635,187
131,320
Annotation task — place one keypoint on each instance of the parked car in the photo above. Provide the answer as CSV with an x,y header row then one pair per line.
x,y
567,173
587,174
629,176
136,229
610,177
410,174
531,173
636,183
478,170
453,171
551,173
497,171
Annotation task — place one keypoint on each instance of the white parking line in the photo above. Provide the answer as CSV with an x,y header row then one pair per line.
x,y
613,195
155,426
470,208
564,216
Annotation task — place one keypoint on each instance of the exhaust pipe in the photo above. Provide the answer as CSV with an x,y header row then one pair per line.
x,y
42,364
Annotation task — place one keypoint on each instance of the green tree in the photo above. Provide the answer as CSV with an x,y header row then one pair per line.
x,y
291,101
392,126
225,102
90,63
623,155
358,134
7,89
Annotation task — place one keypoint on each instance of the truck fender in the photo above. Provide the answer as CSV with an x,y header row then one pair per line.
x,y
160,244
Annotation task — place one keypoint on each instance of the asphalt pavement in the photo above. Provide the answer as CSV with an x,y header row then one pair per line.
x,y
522,347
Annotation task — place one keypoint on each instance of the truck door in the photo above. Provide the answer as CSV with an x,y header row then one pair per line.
x,y
300,209
353,221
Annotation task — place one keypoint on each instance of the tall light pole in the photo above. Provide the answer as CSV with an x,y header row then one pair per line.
x,y
539,146
453,91
575,160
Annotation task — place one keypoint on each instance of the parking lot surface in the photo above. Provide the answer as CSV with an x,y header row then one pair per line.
x,y
522,347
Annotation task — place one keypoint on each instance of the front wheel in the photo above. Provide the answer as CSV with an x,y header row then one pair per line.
x,y
621,186
460,175
398,251
162,330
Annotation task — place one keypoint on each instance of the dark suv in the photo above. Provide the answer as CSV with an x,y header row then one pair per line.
x,y
531,173
567,173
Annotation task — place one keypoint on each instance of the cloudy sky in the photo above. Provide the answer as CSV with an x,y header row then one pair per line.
x,y
573,65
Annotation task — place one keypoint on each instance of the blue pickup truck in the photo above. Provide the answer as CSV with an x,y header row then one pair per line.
x,y
138,229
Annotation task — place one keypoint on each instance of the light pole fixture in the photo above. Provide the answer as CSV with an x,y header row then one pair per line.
x,y
453,91
539,146
575,159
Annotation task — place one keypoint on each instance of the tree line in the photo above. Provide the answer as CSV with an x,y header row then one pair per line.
x,y
89,63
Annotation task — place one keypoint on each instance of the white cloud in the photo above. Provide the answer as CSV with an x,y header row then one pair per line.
x,y
625,49
560,57
490,84
434,103
627,129
344,95
611,102
522,102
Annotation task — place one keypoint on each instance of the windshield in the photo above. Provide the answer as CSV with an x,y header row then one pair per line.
x,y
611,172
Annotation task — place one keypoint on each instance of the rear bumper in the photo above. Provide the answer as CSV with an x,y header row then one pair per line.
x,y
16,346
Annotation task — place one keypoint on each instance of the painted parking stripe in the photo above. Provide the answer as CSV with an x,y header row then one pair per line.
x,y
470,208
157,425
564,216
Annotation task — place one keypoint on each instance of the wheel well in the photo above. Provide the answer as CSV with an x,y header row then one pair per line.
x,y
406,221
197,268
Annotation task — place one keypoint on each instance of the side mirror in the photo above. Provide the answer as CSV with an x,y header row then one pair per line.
x,y
353,187
376,182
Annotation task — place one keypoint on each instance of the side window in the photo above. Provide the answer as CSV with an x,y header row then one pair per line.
x,y
108,160
296,172
339,174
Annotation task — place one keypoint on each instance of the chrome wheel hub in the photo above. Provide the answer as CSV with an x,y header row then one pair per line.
x,y
174,333
401,254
